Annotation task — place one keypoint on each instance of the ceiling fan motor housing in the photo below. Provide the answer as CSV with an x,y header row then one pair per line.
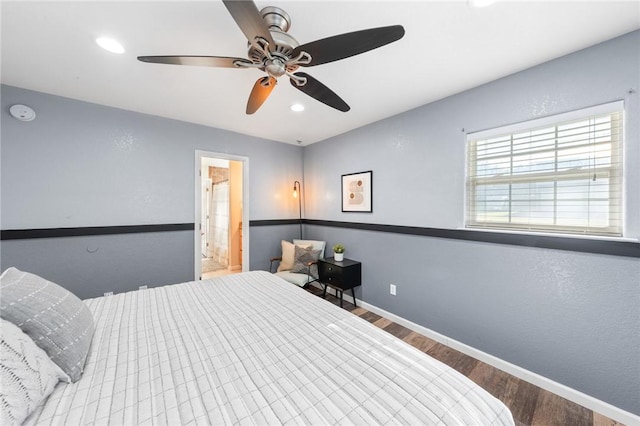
x,y
276,17
278,22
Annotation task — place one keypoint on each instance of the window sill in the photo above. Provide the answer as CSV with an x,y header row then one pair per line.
x,y
552,234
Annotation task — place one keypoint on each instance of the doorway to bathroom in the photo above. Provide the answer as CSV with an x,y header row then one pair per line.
x,y
221,237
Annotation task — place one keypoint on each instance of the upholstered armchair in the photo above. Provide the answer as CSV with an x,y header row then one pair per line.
x,y
298,262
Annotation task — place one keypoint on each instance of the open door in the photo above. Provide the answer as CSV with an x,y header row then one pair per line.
x,y
221,237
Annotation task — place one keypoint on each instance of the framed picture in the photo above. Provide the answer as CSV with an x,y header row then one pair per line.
x,y
357,191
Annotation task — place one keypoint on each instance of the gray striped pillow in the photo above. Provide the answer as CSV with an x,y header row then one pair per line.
x,y
54,318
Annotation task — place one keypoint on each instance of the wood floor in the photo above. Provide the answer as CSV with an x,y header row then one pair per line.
x,y
529,404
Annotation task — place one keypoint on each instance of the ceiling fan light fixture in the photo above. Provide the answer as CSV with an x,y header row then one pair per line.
x,y
297,107
110,45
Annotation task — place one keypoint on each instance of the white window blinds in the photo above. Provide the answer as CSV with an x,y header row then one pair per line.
x,y
559,174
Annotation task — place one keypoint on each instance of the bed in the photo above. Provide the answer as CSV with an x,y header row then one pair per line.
x,y
251,348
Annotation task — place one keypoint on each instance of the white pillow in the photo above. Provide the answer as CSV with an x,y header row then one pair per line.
x,y
27,374
288,255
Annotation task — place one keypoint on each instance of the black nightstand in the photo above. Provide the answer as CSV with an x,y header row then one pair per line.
x,y
342,276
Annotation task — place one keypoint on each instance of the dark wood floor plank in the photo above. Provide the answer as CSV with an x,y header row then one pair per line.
x,y
370,316
524,402
492,379
600,420
397,330
419,341
457,360
553,410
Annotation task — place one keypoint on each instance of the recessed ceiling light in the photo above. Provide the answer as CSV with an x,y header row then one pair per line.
x,y
110,45
297,107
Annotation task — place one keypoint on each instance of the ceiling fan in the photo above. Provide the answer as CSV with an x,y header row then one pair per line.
x,y
274,51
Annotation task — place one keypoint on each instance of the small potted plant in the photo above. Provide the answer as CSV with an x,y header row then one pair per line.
x,y
338,252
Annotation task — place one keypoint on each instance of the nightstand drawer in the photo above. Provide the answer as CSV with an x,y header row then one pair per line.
x,y
334,280
329,273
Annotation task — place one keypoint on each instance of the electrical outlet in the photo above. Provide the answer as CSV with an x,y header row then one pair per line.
x,y
392,289
143,287
109,293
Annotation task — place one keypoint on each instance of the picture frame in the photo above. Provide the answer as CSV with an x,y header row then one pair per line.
x,y
357,192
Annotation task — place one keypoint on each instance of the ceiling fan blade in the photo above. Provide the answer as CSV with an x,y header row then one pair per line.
x,y
260,92
248,18
350,44
202,61
320,92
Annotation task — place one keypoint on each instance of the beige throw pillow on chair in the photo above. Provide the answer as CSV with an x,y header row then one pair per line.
x,y
288,255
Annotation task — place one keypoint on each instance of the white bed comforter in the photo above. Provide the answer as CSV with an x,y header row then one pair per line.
x,y
253,349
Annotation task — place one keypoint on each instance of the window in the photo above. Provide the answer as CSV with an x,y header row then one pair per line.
x,y
558,174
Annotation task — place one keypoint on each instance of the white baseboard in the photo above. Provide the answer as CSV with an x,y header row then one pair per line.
x,y
566,392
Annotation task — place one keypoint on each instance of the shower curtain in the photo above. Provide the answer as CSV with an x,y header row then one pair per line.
x,y
205,205
218,248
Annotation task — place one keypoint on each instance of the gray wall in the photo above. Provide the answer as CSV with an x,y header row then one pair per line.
x,y
571,317
81,165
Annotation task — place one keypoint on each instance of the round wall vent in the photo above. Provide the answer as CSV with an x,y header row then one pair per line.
x,y
22,112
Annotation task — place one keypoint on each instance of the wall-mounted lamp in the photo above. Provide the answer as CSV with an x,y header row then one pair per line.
x,y
296,194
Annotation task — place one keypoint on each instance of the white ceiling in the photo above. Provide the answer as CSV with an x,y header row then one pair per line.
x,y
449,47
